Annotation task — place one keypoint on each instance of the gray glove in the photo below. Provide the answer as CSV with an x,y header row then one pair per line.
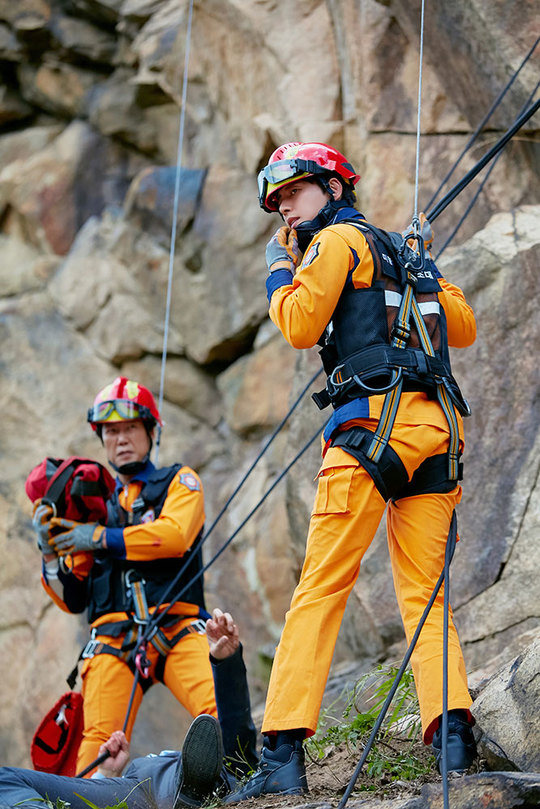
x,y
282,251
76,536
41,523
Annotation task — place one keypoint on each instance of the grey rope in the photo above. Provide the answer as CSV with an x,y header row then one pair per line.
x,y
174,226
419,114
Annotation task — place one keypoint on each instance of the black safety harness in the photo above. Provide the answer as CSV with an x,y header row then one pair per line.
x,y
130,590
381,341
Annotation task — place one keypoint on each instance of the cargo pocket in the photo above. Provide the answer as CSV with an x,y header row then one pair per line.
x,y
333,490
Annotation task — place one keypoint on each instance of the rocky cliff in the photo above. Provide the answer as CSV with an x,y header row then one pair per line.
x,y
90,104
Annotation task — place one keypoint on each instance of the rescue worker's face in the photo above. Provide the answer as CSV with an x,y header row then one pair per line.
x,y
125,441
302,200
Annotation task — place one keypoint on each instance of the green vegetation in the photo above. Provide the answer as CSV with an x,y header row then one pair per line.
x,y
398,753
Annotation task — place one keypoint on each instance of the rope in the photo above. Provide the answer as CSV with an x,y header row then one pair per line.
x,y
262,452
157,617
450,547
174,226
190,558
482,123
444,724
419,113
482,184
499,145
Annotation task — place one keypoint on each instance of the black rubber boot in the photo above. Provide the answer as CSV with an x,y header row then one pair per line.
x,y
199,769
461,748
280,771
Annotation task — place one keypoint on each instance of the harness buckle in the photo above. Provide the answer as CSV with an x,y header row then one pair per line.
x,y
90,649
198,627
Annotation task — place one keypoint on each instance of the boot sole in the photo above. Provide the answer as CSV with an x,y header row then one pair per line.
x,y
202,759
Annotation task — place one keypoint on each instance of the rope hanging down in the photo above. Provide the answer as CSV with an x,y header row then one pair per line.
x,y
450,547
174,226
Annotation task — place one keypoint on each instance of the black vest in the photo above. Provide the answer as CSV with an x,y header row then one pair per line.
x,y
107,585
357,352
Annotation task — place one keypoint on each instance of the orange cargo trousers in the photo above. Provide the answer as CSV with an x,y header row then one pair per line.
x,y
348,509
107,682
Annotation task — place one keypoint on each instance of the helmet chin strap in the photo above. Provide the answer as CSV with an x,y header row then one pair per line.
x,y
307,230
131,468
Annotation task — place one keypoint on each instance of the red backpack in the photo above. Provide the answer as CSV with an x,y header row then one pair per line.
x,y
56,741
76,488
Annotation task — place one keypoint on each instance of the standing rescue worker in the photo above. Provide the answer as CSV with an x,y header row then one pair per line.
x,y
155,521
394,439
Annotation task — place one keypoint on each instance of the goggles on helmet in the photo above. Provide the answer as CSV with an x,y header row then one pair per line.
x,y
118,410
283,170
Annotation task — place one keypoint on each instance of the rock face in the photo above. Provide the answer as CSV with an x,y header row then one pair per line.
x,y
90,114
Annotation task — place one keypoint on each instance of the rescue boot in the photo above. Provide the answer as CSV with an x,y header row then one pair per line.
x,y
461,747
280,771
198,770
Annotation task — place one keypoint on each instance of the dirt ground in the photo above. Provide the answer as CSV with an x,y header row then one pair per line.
x,y
329,777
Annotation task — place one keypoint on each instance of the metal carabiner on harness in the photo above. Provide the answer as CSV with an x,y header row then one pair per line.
x,y
413,259
334,385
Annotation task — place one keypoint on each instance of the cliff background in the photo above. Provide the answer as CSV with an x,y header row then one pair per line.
x,y
89,118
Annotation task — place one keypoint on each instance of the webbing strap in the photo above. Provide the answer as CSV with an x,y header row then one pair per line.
x,y
444,399
137,593
402,331
453,449
386,423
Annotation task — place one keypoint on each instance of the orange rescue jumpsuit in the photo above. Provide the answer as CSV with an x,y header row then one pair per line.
x,y
107,680
348,508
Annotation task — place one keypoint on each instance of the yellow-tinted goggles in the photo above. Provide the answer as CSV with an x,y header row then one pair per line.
x,y
117,410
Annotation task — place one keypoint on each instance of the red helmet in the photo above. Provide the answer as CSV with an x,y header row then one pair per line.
x,y
293,161
124,400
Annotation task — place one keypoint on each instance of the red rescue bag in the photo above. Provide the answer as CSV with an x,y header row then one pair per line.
x,y
76,488
56,741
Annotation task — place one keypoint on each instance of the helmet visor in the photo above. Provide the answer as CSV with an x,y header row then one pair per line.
x,y
281,172
118,410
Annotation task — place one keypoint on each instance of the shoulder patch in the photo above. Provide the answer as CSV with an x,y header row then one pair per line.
x,y
311,255
189,480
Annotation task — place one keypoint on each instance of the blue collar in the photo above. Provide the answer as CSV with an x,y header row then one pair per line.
x,y
346,213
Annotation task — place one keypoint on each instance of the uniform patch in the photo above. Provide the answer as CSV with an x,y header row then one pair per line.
x,y
148,516
311,255
190,481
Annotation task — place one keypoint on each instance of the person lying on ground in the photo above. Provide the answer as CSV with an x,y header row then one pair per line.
x,y
171,779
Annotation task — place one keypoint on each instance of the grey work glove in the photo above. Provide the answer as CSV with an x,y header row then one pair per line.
x,y
41,522
282,251
76,536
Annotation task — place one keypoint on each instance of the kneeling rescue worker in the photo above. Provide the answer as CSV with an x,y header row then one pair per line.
x,y
384,317
155,521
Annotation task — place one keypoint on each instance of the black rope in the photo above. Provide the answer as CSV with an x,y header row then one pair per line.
x,y
264,449
154,620
449,552
499,145
482,184
482,123
191,557
444,728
